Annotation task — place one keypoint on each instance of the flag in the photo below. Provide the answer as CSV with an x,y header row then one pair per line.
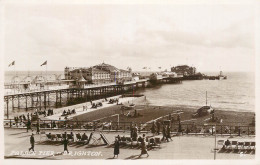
x,y
45,63
11,64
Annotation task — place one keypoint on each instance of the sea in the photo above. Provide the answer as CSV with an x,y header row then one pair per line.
x,y
236,93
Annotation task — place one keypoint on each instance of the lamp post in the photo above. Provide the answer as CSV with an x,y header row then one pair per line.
x,y
215,148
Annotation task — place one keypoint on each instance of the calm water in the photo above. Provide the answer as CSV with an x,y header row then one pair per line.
x,y
236,93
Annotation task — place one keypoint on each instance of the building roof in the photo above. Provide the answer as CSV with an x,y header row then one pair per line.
x,y
92,69
107,67
81,79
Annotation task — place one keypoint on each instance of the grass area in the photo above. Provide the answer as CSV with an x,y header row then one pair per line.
x,y
153,112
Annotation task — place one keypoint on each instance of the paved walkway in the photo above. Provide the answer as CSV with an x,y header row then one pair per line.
x,y
17,142
79,107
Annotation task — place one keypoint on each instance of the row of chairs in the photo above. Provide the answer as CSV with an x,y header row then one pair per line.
x,y
242,145
149,141
71,137
58,137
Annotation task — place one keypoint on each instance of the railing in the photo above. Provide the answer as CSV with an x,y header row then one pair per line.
x,y
191,129
32,89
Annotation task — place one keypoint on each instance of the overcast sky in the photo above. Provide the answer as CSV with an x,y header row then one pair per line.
x,y
209,37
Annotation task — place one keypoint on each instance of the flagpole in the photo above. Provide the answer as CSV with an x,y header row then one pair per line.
x,y
46,75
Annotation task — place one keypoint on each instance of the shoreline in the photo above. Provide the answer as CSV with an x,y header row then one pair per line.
x,y
196,106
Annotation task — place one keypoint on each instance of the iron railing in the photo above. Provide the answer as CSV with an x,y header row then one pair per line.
x,y
142,127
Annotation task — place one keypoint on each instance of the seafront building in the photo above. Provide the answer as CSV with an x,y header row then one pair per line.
x,y
184,70
74,77
98,74
87,77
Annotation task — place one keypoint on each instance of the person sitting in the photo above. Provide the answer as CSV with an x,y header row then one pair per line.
x,y
227,143
84,137
53,124
94,105
64,113
71,133
118,137
50,137
140,139
143,137
24,118
123,138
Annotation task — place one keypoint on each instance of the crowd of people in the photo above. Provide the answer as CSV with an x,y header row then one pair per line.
x,y
69,112
32,116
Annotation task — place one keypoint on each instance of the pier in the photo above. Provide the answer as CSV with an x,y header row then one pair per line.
x,y
64,97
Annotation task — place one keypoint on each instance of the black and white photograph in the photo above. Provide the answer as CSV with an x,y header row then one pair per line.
x,y
124,81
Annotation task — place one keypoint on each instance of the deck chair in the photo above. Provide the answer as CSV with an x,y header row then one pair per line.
x,y
221,143
234,145
64,136
53,136
70,137
247,145
229,146
128,140
123,140
252,146
78,136
59,137
151,142
90,137
105,140
48,137
157,140
134,143
240,145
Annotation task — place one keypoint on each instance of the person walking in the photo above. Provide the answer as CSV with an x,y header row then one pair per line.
x,y
153,128
116,148
158,127
143,149
164,134
28,116
169,132
38,127
65,143
32,143
28,125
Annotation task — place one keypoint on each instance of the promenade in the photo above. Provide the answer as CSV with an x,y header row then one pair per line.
x,y
79,107
17,141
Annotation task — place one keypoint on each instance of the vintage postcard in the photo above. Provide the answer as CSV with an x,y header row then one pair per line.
x,y
88,80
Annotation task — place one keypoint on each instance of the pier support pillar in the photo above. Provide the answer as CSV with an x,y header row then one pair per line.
x,y
40,101
31,101
26,108
44,101
7,108
60,97
48,98
18,101
56,101
12,102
